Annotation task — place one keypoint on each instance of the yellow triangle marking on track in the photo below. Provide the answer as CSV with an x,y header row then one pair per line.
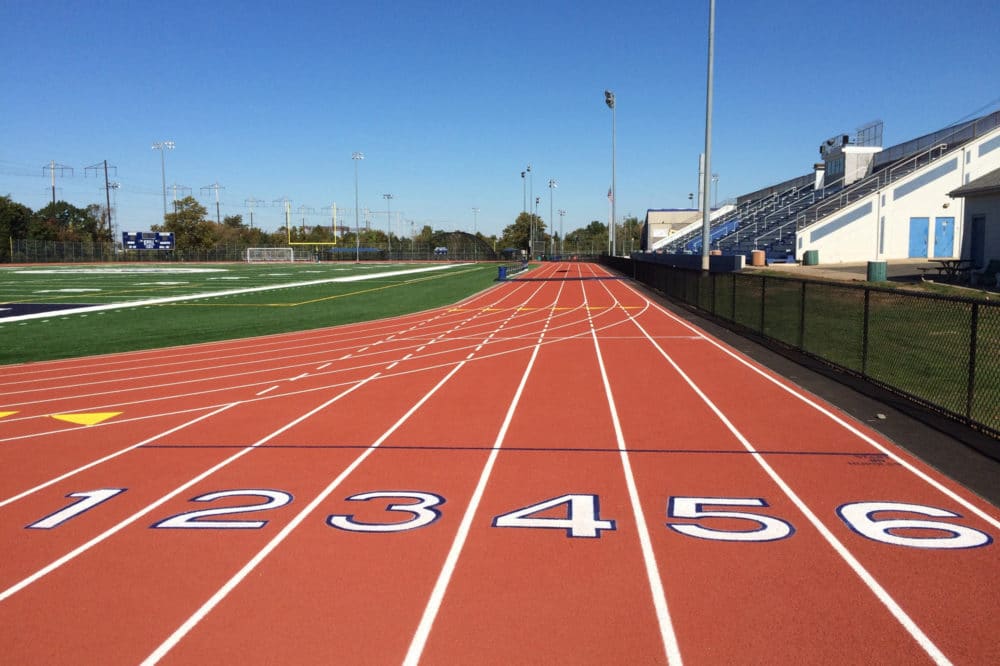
x,y
4,414
86,419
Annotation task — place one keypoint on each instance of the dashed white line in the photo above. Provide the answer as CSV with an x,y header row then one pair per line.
x,y
267,390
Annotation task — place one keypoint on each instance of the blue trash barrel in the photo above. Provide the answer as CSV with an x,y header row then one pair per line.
x,y
502,273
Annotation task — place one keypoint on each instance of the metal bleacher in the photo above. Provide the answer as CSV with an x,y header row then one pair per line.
x,y
768,219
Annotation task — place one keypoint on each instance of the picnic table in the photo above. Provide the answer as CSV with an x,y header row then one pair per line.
x,y
950,268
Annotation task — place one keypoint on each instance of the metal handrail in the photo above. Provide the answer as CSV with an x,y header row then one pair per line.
x,y
867,186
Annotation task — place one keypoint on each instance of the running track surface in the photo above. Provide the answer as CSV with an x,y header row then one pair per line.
x,y
556,470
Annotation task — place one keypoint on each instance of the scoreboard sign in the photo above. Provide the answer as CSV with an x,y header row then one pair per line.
x,y
148,240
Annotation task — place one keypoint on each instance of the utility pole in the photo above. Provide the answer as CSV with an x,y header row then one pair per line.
x,y
52,167
285,203
107,185
388,223
251,203
303,211
215,186
181,189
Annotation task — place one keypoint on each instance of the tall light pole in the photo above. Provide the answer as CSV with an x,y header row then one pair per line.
x,y
609,99
562,238
475,232
388,222
531,220
357,157
552,185
705,212
163,146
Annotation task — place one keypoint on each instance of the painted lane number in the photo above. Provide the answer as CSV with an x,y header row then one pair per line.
x,y
577,514
88,500
767,527
422,511
195,519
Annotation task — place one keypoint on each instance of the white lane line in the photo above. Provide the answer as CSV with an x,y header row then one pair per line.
x,y
836,419
76,552
667,634
423,631
297,377
420,349
845,554
363,349
111,456
392,365
267,390
324,366
231,584
344,357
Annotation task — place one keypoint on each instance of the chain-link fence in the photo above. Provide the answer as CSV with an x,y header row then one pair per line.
x,y
942,352
456,247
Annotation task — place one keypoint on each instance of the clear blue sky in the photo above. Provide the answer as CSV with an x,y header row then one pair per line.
x,y
450,101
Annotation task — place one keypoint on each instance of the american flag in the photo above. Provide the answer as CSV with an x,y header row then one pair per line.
x,y
611,196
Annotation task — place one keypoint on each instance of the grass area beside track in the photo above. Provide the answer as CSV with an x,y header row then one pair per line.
x,y
218,317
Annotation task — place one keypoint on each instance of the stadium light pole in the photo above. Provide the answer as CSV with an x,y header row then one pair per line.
x,y
388,222
562,238
609,99
531,196
475,232
706,176
552,185
357,157
163,146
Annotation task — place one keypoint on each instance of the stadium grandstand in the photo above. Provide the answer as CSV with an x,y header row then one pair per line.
x,y
861,202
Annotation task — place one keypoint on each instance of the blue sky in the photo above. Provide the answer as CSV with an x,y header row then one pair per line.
x,y
450,101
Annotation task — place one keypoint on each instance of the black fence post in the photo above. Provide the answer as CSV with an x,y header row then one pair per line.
x,y
864,335
973,335
802,318
763,300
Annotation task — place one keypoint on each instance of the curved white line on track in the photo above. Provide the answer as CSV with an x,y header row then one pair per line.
x,y
76,552
791,390
241,575
901,616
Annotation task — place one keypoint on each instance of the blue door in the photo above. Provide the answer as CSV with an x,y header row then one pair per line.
x,y
944,237
919,228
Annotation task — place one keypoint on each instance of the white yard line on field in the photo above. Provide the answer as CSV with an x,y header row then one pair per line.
x,y
214,294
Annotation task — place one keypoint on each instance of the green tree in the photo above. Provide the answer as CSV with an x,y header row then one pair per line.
x,y
518,235
192,230
62,221
629,235
592,239
14,219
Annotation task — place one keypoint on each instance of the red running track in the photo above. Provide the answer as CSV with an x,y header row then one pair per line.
x,y
556,470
